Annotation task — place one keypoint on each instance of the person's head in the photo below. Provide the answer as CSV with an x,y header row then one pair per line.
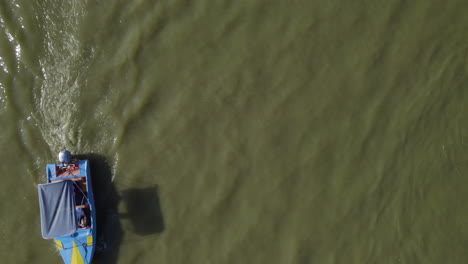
x,y
82,222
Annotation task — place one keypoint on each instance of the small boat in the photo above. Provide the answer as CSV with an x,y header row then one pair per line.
x,y
67,209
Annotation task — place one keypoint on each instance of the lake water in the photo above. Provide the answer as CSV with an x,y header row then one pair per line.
x,y
247,131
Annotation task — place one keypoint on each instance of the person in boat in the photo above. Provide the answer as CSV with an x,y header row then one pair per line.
x,y
81,217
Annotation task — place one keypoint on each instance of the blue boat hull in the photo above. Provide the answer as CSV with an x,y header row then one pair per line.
x,y
77,248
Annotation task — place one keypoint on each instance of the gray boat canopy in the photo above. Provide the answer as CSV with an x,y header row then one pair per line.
x,y
57,204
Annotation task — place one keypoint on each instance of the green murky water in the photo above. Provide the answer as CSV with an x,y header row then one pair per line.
x,y
241,131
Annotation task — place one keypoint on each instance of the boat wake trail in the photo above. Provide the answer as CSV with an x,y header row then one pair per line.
x,y
62,112
62,70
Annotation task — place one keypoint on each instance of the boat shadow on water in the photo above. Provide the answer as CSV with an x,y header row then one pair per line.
x,y
143,210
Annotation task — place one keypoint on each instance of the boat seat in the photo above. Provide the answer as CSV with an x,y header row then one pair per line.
x,y
56,181
72,179
76,178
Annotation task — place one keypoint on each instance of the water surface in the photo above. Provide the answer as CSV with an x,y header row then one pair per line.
x,y
241,131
